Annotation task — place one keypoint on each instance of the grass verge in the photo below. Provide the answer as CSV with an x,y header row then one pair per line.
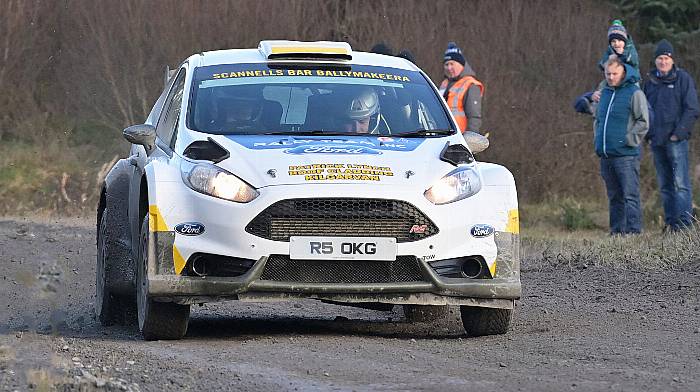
x,y
57,175
652,250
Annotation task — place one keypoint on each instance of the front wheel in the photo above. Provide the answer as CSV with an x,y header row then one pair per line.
x,y
157,320
110,308
478,321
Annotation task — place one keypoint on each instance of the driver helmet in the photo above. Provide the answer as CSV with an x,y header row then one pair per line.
x,y
360,111
242,106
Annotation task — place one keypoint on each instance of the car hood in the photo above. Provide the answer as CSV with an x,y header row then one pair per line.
x,y
263,160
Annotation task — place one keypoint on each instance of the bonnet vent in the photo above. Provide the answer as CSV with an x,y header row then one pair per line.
x,y
206,150
456,154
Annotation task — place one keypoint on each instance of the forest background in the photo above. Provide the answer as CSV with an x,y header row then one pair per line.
x,y
74,73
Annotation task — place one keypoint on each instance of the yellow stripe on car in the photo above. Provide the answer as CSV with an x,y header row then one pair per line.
x,y
307,49
513,225
492,269
156,221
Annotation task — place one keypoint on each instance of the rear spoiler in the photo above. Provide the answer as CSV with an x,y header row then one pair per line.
x,y
169,73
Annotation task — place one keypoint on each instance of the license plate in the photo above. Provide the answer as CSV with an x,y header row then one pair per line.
x,y
342,248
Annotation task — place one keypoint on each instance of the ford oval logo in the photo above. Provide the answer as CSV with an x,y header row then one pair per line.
x,y
332,149
190,228
482,230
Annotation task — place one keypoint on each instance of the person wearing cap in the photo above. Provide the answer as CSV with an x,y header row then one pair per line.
x,y
461,90
620,44
621,121
673,97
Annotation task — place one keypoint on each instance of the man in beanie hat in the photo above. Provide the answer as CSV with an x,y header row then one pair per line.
x,y
461,90
673,97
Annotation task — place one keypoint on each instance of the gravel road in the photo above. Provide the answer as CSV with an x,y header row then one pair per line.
x,y
578,328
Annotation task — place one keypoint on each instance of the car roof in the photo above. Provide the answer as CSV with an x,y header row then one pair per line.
x,y
237,56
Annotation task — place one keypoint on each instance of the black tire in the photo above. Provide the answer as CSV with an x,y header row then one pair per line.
x,y
479,321
157,320
110,308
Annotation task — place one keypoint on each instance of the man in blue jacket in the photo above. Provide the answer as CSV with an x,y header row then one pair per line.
x,y
622,120
672,95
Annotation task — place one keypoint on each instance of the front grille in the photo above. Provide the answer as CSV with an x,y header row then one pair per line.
x,y
342,217
281,268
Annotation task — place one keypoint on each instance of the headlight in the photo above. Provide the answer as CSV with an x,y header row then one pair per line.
x,y
457,185
215,181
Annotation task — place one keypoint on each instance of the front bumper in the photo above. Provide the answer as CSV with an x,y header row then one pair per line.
x,y
498,292
226,235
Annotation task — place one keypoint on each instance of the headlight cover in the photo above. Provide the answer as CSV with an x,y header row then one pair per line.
x,y
457,185
215,181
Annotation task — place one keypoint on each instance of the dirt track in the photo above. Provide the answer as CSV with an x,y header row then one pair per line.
x,y
575,329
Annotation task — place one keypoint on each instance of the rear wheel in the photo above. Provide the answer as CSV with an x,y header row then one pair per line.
x,y
157,320
479,321
109,308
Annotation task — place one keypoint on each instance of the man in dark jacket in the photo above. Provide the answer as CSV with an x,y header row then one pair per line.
x,y
672,95
622,120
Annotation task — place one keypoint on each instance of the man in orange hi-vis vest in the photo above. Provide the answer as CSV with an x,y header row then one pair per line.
x,y
461,90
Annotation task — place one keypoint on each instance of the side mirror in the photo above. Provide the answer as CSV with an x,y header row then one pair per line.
x,y
142,134
476,142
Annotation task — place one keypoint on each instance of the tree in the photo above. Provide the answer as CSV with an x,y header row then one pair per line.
x,y
671,19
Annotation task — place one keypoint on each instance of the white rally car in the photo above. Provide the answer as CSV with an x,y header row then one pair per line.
x,y
304,170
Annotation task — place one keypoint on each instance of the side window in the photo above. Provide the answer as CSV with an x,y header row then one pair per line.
x,y
168,118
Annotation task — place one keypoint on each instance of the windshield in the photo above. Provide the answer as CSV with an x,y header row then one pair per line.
x,y
257,99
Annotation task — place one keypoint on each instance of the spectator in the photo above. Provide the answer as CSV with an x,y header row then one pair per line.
x,y
406,54
620,43
673,97
622,120
461,90
382,48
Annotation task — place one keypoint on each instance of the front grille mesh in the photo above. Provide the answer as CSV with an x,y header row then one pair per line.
x,y
281,268
342,217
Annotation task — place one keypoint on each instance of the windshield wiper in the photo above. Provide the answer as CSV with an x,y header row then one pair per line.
x,y
425,133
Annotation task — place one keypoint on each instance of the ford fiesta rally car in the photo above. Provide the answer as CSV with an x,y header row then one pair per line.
x,y
304,170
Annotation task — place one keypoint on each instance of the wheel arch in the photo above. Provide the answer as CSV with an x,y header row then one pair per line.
x,y
114,202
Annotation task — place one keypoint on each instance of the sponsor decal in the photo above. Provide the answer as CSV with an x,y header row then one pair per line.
x,y
340,171
190,228
481,230
418,229
358,72
293,144
331,149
